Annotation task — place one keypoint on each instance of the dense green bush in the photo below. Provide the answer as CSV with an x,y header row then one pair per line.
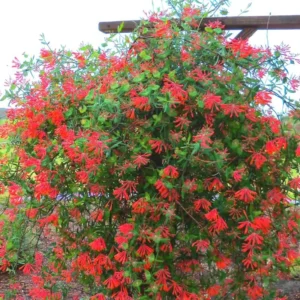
x,y
159,170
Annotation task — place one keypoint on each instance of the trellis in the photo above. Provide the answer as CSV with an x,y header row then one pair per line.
x,y
248,25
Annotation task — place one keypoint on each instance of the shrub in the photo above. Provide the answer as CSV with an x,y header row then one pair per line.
x,y
159,170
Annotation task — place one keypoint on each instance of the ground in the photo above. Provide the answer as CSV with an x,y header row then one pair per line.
x,y
288,287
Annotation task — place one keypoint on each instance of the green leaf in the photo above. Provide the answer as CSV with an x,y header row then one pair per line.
x,y
46,161
151,258
151,179
209,30
193,94
82,109
86,123
69,112
146,92
137,283
196,148
277,54
200,103
156,74
154,87
90,95
114,86
144,55
125,88
148,276
218,30
139,78
120,27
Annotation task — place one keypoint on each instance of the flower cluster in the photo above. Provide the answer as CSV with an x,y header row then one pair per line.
x,y
158,172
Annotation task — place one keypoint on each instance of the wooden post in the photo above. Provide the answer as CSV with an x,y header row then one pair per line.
x,y
249,25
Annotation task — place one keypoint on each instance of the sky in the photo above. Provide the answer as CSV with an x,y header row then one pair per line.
x,y
72,22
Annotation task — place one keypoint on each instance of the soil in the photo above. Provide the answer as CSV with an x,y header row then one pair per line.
x,y
290,288
6,280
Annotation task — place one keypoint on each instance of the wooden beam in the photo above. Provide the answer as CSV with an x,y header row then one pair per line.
x,y
112,27
246,33
231,23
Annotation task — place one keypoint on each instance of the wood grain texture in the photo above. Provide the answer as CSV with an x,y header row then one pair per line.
x,y
248,24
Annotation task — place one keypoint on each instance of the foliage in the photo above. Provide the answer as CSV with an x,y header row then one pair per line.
x,y
295,269
157,170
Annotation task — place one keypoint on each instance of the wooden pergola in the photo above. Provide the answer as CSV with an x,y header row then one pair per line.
x,y
248,25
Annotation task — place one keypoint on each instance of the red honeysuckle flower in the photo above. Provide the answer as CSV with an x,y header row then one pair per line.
x,y
182,122
214,290
126,228
97,215
218,225
189,12
271,148
141,159
245,195
201,245
144,250
215,24
31,213
121,257
276,196
238,175
233,110
212,102
177,289
255,292
254,239
158,146
27,268
98,296
140,206
213,215
170,171
82,176
98,244
241,48
204,137
177,92
39,293
162,278
121,193
262,223
213,184
249,263
258,160
245,225
112,282
141,103
202,203
163,29
223,262
162,189
295,183
263,98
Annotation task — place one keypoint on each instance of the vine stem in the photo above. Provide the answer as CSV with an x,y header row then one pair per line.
x,y
181,206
